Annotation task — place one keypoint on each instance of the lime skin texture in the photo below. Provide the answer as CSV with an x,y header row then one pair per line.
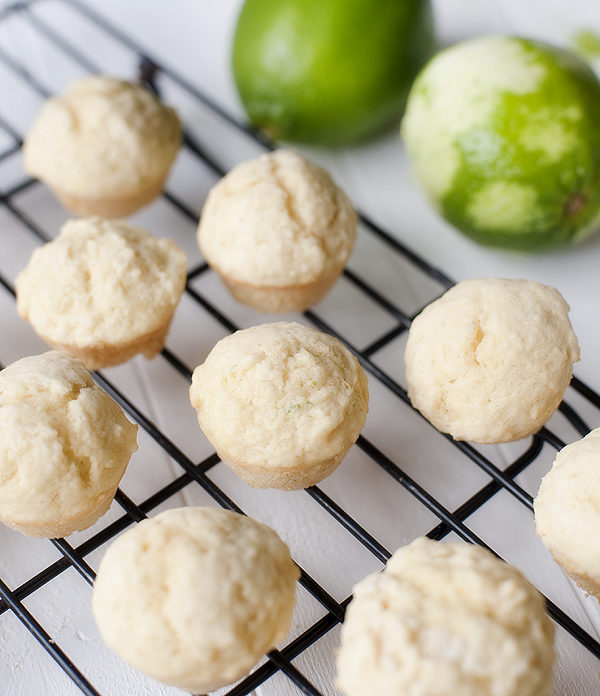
x,y
504,136
329,72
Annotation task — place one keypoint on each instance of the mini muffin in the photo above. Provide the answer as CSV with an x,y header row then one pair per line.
x,y
103,290
64,446
278,231
567,511
446,620
490,360
281,403
194,597
105,147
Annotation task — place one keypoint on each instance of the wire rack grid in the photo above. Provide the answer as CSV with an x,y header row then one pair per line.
x,y
491,476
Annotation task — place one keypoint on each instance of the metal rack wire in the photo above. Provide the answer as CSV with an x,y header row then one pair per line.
x,y
195,473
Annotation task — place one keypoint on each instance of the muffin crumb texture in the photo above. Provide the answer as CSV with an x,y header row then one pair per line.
x,y
104,147
103,290
442,620
282,403
489,361
195,596
277,224
567,511
64,446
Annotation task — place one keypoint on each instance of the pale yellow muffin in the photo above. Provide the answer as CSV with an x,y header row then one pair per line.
x,y
103,290
446,620
278,231
64,446
567,511
194,597
281,403
104,147
490,360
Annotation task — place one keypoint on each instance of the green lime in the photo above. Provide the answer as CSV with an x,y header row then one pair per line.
x,y
329,71
504,135
587,43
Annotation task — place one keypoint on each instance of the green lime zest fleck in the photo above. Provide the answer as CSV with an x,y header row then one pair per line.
x,y
296,407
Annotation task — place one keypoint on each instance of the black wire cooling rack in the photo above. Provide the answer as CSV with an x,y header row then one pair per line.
x,y
195,473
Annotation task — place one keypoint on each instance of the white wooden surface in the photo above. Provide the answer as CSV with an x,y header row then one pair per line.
x,y
193,37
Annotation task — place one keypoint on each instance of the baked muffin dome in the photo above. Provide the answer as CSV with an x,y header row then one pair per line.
x,y
281,403
64,446
278,231
103,290
446,620
567,511
489,361
194,597
104,147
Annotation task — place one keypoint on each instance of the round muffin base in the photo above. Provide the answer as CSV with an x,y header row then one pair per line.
x,y
276,300
53,529
110,206
588,584
97,356
283,478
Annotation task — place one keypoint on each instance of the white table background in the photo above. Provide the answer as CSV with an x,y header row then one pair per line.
x,y
194,38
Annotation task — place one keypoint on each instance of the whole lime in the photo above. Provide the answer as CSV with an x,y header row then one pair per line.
x,y
504,135
329,71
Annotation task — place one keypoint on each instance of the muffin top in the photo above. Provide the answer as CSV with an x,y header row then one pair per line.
x,y
64,443
280,395
277,220
195,596
490,360
446,619
567,510
101,282
104,137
